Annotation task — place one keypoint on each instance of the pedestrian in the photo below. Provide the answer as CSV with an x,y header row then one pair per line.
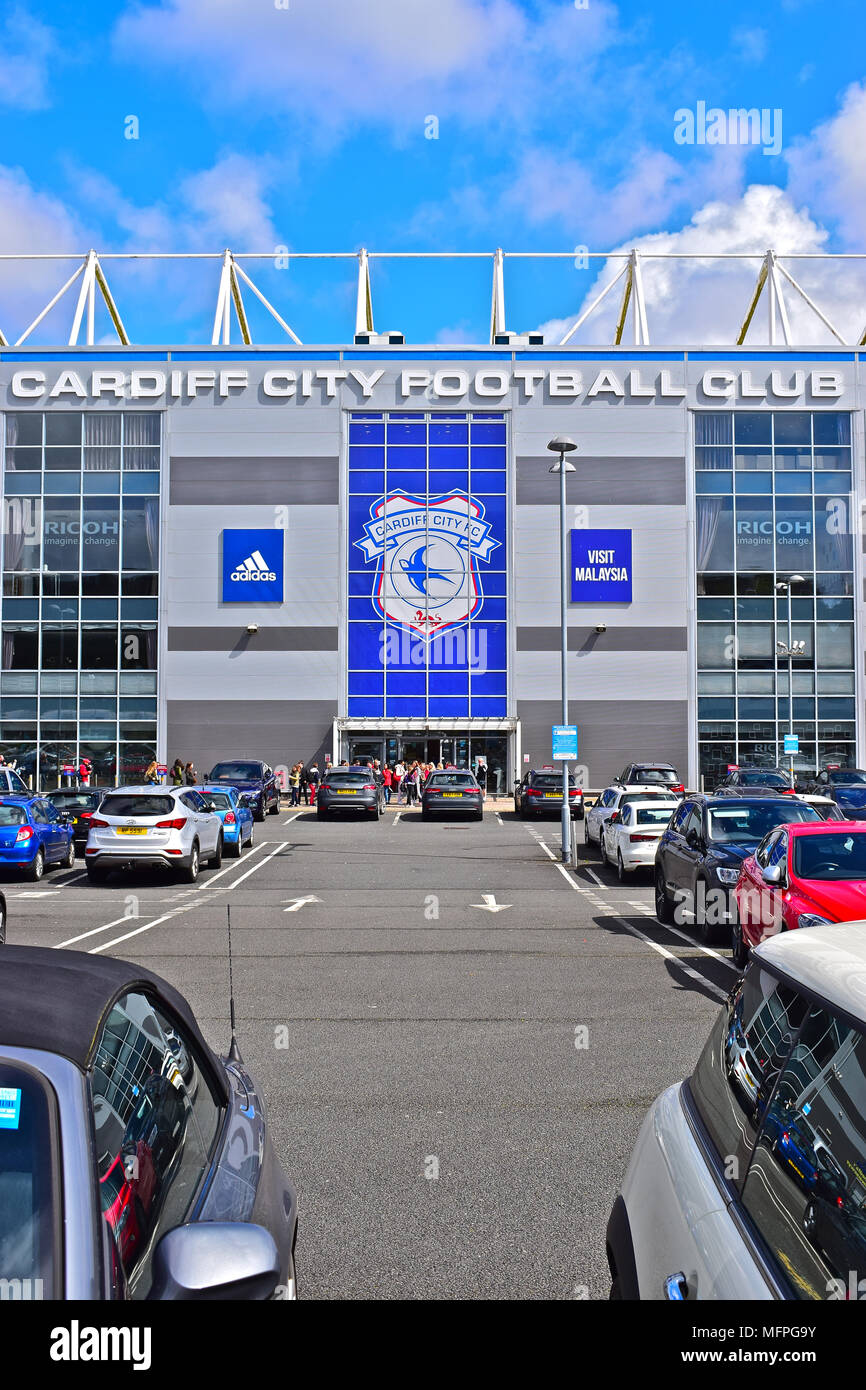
x,y
190,775
177,773
151,776
481,776
387,779
84,772
314,778
295,785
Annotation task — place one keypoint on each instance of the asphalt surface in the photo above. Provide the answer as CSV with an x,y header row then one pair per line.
x,y
416,1049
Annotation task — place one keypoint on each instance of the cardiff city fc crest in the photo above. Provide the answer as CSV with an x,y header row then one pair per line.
x,y
427,551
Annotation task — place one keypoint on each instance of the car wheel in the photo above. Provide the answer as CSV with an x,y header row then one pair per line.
x,y
69,861
233,848
739,945
709,932
809,1220
190,870
250,840
275,809
259,813
2,923
217,859
664,910
601,849
620,867
37,868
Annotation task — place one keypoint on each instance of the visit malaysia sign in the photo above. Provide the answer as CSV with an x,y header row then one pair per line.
x,y
600,566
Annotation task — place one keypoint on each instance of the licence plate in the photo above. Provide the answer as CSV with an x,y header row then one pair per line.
x,y
130,830
553,796
340,792
452,793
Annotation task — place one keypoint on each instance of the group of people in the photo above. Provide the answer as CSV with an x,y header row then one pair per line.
x,y
303,782
405,780
181,774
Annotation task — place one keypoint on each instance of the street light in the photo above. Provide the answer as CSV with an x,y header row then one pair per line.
x,y
783,586
562,445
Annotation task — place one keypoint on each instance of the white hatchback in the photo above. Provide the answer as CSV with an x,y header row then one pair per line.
x,y
176,827
630,837
612,799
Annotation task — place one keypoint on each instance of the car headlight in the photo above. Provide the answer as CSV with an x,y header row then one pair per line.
x,y
727,875
811,919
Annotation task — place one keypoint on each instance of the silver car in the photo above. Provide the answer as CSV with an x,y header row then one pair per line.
x,y
748,1180
175,827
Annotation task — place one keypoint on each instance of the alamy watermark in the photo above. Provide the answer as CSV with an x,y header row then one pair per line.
x,y
735,126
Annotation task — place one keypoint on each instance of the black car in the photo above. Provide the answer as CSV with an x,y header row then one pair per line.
x,y
700,854
353,788
838,1228
452,793
135,1163
651,775
254,778
540,793
79,807
847,787
755,781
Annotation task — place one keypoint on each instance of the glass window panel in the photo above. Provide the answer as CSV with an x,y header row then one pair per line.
x,y
793,460
58,682
99,609
141,460
835,608
101,534
139,608
102,460
835,645
138,682
835,459
140,428
756,682
713,428
794,533
134,760
60,610
137,707
140,533
755,583
61,525
834,583
792,427
793,482
715,533
62,484
833,539
63,427
754,482
141,482
804,681
18,707
835,707
103,483
754,533
140,584
831,427
835,682
715,645
20,585
715,683
752,427
20,609
58,707
101,427
103,729
23,460
103,758
713,458
23,523
98,683
716,707
56,459
99,583
23,484
59,647
18,683
754,609
754,707
99,707
138,646
20,647
60,585
24,428
98,648
755,641
715,584
713,482
753,460
715,609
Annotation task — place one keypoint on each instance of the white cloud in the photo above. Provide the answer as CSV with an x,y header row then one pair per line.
x,y
750,44
28,50
828,169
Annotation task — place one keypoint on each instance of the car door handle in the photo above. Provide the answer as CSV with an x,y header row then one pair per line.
x,y
676,1288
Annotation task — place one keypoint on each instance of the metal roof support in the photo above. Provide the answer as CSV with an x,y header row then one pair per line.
x,y
779,298
811,303
85,300
364,307
230,294
626,297
239,270
497,308
586,313
756,295
109,303
221,324
641,332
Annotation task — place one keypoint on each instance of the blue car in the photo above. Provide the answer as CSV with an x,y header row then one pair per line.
x,y
233,810
34,834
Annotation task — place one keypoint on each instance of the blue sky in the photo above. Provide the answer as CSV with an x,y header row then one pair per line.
x,y
306,125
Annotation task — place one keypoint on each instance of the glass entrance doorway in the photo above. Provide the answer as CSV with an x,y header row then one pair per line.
x,y
483,753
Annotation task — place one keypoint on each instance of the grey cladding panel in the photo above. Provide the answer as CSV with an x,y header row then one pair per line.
x,y
254,481
611,733
280,731
616,639
267,639
605,481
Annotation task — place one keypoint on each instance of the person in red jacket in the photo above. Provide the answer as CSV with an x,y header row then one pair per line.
x,y
387,779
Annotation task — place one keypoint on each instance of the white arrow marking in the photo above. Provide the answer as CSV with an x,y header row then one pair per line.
x,y
298,903
490,904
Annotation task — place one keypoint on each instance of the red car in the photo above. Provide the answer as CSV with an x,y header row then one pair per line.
x,y
801,875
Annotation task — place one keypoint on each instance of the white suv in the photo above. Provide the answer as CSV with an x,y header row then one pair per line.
x,y
748,1181
136,826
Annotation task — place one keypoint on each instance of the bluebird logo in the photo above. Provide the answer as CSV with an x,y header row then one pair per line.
x,y
252,566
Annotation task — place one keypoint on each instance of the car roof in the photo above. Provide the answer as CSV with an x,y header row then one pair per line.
x,y
710,799
830,961
670,766
57,1001
622,787
149,788
825,827
19,798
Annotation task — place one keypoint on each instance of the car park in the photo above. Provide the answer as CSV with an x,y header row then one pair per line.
x,y
233,809
651,775
755,781
801,875
847,787
135,1163
34,836
540,793
630,837
251,776
79,806
612,799
453,792
351,789
173,828
702,850
712,1205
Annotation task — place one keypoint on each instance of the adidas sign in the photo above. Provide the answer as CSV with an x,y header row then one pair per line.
x,y
254,568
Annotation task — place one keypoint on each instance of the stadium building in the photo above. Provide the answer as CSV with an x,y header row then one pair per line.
x,y
335,551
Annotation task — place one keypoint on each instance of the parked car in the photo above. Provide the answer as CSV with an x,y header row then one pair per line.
x,y
168,827
613,799
630,837
79,806
34,836
12,781
352,788
701,852
847,787
250,775
710,1207
452,793
233,809
755,781
651,775
540,794
119,1178
827,808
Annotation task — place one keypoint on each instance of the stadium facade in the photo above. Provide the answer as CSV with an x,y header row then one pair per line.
x,y
336,551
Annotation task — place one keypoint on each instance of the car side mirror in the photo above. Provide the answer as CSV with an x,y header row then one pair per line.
x,y
215,1260
772,874
693,839
211,805
614,817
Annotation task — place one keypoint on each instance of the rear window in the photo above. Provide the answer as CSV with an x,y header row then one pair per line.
x,y
652,815
763,779
137,805
244,772
629,797
349,779
62,800
12,815
29,1200
451,779
547,781
837,856
655,774
221,800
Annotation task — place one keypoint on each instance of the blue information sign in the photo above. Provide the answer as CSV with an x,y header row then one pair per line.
x,y
792,743
10,1107
564,743
252,566
600,566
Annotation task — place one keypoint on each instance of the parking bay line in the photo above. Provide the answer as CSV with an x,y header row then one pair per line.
x,y
291,818
186,907
213,877
261,862
93,932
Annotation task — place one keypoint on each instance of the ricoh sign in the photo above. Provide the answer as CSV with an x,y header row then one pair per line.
x,y
449,384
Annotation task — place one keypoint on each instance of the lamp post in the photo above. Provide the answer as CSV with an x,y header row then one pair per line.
x,y
783,586
562,446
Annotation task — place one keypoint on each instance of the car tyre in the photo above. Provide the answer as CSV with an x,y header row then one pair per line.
x,y
233,848
601,849
620,867
739,946
709,932
259,813
275,809
69,861
216,859
2,923
37,868
664,909
586,839
189,872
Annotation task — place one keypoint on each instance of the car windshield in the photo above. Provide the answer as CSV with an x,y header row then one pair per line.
x,y
655,774
653,815
64,799
230,772
763,779
641,796
839,855
749,824
844,778
348,779
451,779
221,800
28,1210
547,781
137,804
12,815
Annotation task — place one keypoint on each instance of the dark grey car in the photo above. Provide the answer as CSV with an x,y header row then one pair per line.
x,y
355,789
134,1162
452,793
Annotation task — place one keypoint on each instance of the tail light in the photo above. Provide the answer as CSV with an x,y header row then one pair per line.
x,y
230,818
575,791
24,834
678,787
634,838
789,791
177,824
85,815
530,791
369,786
95,821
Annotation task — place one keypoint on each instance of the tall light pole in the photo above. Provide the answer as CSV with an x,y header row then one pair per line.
x,y
562,445
783,586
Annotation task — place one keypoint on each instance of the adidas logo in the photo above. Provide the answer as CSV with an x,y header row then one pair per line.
x,y
254,567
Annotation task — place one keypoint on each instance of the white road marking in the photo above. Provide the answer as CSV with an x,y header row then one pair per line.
x,y
187,907
291,818
707,951
669,955
298,903
64,883
94,931
594,876
498,817
490,904
212,878
38,893
261,862
397,817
